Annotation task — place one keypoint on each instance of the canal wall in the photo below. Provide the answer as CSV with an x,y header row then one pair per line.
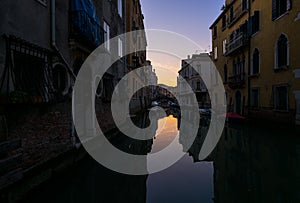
x,y
47,145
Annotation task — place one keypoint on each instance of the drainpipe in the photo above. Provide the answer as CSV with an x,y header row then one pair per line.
x,y
53,44
53,37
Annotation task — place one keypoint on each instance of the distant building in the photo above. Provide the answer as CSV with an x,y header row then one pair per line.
x,y
153,81
190,69
255,48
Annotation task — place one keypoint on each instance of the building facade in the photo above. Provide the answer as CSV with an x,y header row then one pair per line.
x,y
43,45
136,45
255,50
190,69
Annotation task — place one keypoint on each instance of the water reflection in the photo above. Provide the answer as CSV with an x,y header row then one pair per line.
x,y
257,164
250,164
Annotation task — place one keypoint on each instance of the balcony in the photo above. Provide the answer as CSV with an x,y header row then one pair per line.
x,y
237,81
239,41
84,28
237,13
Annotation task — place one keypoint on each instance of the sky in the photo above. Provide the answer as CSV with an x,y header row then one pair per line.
x,y
191,18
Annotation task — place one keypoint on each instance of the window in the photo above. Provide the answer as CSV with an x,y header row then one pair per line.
x,y
255,22
224,46
282,52
281,97
255,62
254,98
216,53
106,35
29,72
234,67
120,8
215,31
225,73
224,22
198,85
231,16
120,47
243,67
244,5
280,7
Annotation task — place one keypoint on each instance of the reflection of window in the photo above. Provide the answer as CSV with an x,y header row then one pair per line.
x,y
255,62
106,35
281,97
254,98
279,7
282,52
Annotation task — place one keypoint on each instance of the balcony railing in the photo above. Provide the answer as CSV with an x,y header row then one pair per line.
x,y
238,12
84,26
237,42
237,81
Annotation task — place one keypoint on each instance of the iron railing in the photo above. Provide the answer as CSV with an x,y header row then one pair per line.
x,y
237,42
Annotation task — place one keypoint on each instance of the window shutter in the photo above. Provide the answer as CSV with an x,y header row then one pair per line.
x,y
274,10
288,5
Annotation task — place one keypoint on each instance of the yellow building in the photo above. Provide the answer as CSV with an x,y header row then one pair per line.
x,y
255,47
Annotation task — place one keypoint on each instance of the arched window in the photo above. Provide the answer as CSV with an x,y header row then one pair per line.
x,y
255,62
282,52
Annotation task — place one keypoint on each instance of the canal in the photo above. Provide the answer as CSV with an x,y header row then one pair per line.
x,y
251,163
